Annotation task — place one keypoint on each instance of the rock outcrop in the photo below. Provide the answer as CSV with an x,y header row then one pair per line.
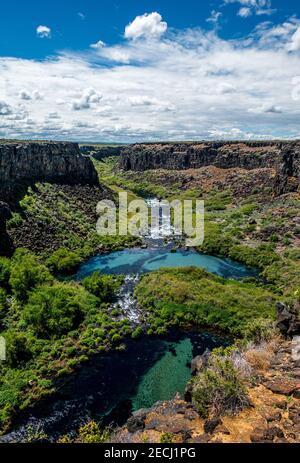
x,y
288,321
23,163
5,241
101,152
283,157
273,415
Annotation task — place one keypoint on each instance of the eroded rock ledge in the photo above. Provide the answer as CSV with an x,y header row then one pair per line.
x,y
283,157
22,163
273,416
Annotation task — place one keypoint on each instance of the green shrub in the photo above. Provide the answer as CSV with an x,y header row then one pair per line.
x,y
91,433
27,273
166,438
55,310
18,348
192,296
3,304
137,332
63,261
102,286
4,271
219,388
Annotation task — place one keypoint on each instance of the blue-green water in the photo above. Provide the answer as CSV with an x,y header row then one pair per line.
x,y
133,261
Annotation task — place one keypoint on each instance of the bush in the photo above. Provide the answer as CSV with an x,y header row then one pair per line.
x,y
63,261
4,271
27,273
18,348
102,286
219,389
137,332
91,433
53,311
3,304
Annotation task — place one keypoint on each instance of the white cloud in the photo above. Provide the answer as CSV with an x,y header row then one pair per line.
x,y
81,15
88,98
245,12
150,25
214,18
98,44
266,108
25,95
295,41
5,109
249,7
188,85
44,32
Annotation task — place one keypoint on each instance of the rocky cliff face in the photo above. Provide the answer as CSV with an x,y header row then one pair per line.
x,y
24,163
283,157
5,241
101,152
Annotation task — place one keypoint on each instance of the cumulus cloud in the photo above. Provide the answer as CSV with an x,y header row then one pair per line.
x,y
245,12
27,95
88,98
188,85
249,7
295,41
214,18
44,32
97,45
266,108
5,109
150,25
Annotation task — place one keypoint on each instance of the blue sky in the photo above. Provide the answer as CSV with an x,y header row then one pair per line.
x,y
130,70
106,19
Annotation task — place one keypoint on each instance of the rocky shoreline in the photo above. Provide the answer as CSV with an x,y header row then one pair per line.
x,y
273,387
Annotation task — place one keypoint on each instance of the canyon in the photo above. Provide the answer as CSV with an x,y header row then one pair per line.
x,y
279,157
22,164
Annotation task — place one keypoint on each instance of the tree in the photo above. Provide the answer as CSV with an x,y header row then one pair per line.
x,y
63,261
102,286
27,273
55,310
4,271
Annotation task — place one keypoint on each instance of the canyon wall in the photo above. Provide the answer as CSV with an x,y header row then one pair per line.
x,y
283,157
100,152
23,163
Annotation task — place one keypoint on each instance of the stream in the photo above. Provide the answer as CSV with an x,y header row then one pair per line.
x,y
111,386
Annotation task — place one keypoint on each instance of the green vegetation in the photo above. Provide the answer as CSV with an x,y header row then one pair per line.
x,y
91,433
166,438
191,296
102,286
219,388
68,216
53,311
63,261
27,273
50,328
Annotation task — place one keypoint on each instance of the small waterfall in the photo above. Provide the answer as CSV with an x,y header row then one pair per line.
x,y
126,301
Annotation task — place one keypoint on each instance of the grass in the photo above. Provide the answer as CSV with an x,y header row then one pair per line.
x,y
194,297
50,328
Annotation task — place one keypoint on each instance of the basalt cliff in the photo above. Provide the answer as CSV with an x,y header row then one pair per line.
x,y
22,164
25,163
280,156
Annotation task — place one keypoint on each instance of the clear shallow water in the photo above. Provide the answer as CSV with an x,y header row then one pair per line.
x,y
135,261
110,387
